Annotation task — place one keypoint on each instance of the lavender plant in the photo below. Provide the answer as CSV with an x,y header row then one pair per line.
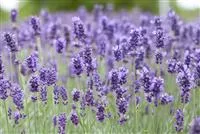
x,y
99,72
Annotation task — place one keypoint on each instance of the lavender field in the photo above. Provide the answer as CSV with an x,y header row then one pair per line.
x,y
99,72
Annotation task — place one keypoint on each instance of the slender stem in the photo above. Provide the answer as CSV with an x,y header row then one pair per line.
x,y
194,103
136,119
11,77
7,124
35,118
38,43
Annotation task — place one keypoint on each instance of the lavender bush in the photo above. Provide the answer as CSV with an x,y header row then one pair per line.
x,y
99,72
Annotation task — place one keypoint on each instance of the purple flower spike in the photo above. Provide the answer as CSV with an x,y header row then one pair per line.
x,y
123,72
89,98
10,42
62,120
100,114
43,94
195,126
63,93
4,88
1,68
60,44
74,118
78,28
31,63
34,84
48,76
35,25
56,93
77,65
179,120
76,94
18,96
54,121
13,15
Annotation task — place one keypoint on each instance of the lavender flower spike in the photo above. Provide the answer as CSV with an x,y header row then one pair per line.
x,y
179,120
195,126
13,15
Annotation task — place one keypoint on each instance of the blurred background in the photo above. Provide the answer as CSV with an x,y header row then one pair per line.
x,y
187,9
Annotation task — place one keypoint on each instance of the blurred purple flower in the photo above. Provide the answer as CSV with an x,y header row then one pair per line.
x,y
195,126
13,15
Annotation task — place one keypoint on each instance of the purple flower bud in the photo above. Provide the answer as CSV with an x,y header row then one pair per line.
x,y
56,93
197,74
100,115
78,28
54,121
9,113
185,81
17,116
122,120
23,69
13,15
5,85
63,94
34,84
10,42
120,92
157,22
43,94
137,100
123,72
174,22
197,37
34,21
159,38
114,79
134,40
32,62
48,76
88,61
77,65
17,95
97,81
171,66
74,118
166,99
76,94
179,120
109,31
66,32
122,105
137,86
52,31
1,68
34,98
146,79
62,120
157,86
60,44
187,58
117,53
102,43
195,126
89,98
159,58
97,12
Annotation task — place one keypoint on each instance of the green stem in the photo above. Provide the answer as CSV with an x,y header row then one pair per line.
x,y
35,118
7,124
